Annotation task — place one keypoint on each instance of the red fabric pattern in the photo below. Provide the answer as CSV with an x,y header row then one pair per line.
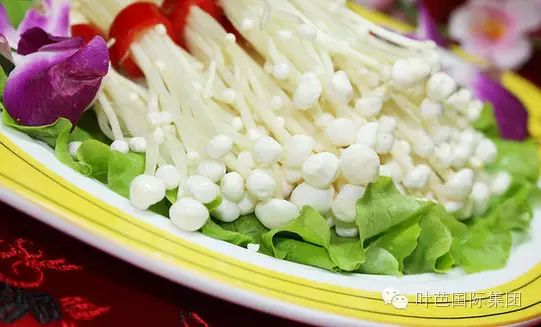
x,y
47,275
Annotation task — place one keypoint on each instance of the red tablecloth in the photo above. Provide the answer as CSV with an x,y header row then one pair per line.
x,y
48,278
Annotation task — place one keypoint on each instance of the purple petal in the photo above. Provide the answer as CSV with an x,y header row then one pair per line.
x,y
52,16
6,29
35,39
5,49
511,115
427,28
47,85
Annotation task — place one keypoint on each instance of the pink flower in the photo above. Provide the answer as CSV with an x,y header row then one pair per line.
x,y
382,5
496,30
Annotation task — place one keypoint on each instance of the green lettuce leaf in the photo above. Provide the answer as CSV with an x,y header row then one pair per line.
x,y
400,241
519,159
17,9
304,253
433,245
379,262
383,207
123,168
88,129
245,230
61,150
308,240
96,155
48,133
491,239
486,123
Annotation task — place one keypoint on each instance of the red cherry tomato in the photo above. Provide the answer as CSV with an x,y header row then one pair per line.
x,y
86,31
127,26
178,10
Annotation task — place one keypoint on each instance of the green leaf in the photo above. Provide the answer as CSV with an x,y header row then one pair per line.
x,y
247,225
383,207
172,195
16,9
308,239
246,230
123,168
486,249
61,150
519,159
460,234
433,245
304,253
400,241
490,241
3,80
379,262
347,253
88,129
161,208
48,133
486,123
310,227
96,155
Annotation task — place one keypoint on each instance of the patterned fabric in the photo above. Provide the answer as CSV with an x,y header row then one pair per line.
x,y
49,279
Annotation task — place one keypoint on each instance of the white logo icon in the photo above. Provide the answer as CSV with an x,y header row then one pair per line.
x,y
392,296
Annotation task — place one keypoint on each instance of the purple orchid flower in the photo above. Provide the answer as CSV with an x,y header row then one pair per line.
x,y
427,28
52,16
511,114
54,77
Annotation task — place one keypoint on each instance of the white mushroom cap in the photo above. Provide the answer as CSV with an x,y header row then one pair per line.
x,y
340,90
348,230
308,91
232,186
368,134
481,197
320,170
227,211
384,143
392,169
120,146
501,183
359,164
292,176
73,148
138,144
297,149
275,213
344,206
486,151
246,205
212,169
319,199
219,146
440,86
266,150
246,159
261,184
342,132
169,175
431,110
408,72
369,106
459,186
202,189
145,191
189,214
417,178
